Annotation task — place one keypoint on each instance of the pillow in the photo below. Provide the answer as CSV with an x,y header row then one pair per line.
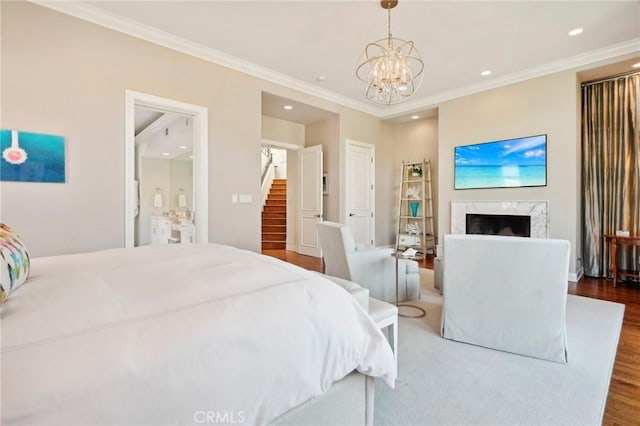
x,y
14,262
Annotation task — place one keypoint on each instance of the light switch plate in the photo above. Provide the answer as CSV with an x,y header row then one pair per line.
x,y
234,198
245,198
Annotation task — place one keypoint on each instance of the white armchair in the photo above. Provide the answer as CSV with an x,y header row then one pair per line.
x,y
373,268
507,293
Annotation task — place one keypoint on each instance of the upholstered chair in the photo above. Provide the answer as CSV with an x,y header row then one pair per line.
x,y
507,293
372,268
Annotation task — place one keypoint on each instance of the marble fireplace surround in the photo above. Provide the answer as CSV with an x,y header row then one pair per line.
x,y
538,211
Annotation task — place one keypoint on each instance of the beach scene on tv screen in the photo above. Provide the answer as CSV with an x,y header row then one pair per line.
x,y
508,163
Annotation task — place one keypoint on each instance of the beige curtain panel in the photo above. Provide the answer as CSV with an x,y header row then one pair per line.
x,y
610,169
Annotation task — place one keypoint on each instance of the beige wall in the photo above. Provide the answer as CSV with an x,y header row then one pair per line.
x,y
543,105
357,126
327,134
415,141
62,75
278,130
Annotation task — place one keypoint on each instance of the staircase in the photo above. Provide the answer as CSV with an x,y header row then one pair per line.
x,y
274,217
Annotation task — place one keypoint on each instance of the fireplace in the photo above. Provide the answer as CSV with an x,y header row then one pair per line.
x,y
498,224
536,211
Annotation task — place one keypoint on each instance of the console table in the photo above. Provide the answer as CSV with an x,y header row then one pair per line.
x,y
615,241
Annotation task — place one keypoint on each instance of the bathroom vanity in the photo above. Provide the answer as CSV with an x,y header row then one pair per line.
x,y
165,230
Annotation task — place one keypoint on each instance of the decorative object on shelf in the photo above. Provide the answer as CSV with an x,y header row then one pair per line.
x,y
413,192
410,252
415,170
414,208
390,68
31,157
412,228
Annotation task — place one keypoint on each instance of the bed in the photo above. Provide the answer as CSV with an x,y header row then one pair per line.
x,y
181,334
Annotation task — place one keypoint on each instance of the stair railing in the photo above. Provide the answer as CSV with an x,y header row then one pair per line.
x,y
267,173
267,161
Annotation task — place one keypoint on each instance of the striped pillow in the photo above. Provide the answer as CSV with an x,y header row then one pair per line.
x,y
14,262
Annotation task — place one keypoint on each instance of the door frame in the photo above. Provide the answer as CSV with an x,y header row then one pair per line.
x,y
200,115
372,172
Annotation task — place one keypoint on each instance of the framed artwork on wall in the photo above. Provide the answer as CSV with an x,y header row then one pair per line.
x,y
31,157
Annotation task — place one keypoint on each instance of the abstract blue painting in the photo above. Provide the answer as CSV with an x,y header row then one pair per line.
x,y
31,157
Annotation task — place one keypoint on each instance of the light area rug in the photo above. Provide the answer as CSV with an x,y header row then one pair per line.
x,y
441,382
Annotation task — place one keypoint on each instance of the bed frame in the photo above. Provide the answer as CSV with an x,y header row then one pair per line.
x,y
348,401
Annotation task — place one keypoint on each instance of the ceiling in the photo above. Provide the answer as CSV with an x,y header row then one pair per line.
x,y
166,136
294,42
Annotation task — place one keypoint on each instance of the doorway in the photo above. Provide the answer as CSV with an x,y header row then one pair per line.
x,y
189,204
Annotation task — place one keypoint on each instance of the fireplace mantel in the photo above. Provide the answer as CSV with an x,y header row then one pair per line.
x,y
537,210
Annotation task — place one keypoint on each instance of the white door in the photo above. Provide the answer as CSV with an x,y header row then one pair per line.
x,y
360,200
310,200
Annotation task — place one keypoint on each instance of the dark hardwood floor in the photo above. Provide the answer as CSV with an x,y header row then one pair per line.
x,y
623,402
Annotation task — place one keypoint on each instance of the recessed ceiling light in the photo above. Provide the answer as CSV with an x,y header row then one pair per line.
x,y
182,147
288,107
415,117
321,78
636,65
165,153
485,73
575,31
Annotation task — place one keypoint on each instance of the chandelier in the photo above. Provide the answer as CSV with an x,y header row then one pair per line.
x,y
390,68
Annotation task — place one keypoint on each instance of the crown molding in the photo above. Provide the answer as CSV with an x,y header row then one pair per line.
x,y
145,32
625,48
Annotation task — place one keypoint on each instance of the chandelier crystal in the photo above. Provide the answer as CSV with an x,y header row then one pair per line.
x,y
390,68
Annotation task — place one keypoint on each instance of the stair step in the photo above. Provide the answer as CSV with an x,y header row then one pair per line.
x,y
276,208
273,221
270,245
274,215
273,237
278,229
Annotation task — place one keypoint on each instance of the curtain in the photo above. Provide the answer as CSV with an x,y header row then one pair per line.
x,y
610,169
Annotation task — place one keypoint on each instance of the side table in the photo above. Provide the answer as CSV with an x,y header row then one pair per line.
x,y
615,241
421,312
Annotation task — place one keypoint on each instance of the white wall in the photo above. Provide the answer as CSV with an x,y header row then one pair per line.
x,y
280,162
542,105
155,174
181,173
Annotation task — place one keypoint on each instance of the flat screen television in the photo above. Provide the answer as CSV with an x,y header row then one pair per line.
x,y
502,164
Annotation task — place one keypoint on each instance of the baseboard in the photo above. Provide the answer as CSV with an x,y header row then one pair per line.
x,y
291,247
574,277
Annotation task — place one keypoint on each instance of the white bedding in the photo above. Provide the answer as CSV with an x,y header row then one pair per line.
x,y
162,334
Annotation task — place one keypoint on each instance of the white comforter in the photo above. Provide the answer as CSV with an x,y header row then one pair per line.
x,y
169,334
